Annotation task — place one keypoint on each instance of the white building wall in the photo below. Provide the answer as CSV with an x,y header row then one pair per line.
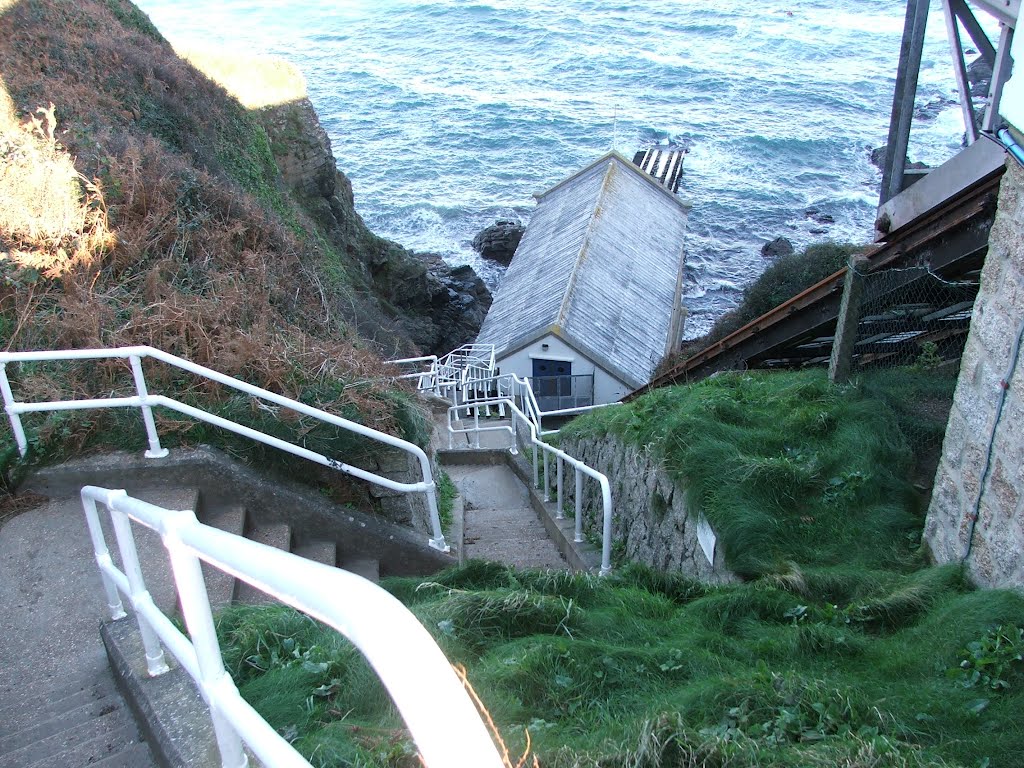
x,y
607,388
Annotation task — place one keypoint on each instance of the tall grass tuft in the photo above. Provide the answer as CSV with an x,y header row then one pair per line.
x,y
785,467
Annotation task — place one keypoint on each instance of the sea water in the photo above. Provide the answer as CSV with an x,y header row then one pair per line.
x,y
447,115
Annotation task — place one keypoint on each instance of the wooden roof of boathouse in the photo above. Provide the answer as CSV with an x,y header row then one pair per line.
x,y
600,266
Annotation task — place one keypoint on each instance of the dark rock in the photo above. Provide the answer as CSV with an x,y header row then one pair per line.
x,y
930,109
499,241
878,160
780,246
819,216
979,71
818,230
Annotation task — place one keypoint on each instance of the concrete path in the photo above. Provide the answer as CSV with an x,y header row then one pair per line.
x,y
60,707
500,524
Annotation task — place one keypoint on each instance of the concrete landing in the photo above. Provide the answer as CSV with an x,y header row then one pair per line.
x,y
500,524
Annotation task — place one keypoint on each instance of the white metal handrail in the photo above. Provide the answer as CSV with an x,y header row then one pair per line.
x,y
146,402
512,386
561,457
437,709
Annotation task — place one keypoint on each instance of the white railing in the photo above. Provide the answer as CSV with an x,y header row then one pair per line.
x,y
145,402
508,385
466,376
561,457
437,709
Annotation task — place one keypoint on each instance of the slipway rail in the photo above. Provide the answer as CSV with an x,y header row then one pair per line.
x,y
145,402
951,240
430,697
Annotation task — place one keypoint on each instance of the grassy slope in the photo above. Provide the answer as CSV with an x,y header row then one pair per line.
x,y
849,656
785,466
146,208
646,669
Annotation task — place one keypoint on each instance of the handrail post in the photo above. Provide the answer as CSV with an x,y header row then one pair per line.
x,y
99,546
155,451
558,512
195,606
606,544
578,538
155,662
547,482
12,414
437,542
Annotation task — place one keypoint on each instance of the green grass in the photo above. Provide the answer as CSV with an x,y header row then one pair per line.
x,y
786,467
841,648
641,668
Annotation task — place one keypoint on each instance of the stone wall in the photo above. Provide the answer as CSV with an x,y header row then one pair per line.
x,y
983,447
651,522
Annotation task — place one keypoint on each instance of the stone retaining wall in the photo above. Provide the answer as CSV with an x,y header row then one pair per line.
x,y
983,459
651,521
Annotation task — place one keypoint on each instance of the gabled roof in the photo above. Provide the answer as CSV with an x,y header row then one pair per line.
x,y
601,266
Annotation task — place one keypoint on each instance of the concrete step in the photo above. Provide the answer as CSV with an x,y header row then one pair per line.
x,y
135,755
220,585
73,712
512,535
80,737
277,535
367,567
106,749
319,551
42,707
17,697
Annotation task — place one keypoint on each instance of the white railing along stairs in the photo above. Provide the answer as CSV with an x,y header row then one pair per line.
x,y
437,709
145,401
468,378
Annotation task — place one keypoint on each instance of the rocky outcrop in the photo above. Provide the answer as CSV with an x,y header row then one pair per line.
x,y
979,75
499,241
437,306
651,521
878,156
780,246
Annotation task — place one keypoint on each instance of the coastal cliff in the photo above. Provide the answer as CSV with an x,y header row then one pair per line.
x,y
438,307
141,202
146,201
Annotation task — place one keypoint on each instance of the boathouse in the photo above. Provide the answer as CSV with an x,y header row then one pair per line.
x,y
592,299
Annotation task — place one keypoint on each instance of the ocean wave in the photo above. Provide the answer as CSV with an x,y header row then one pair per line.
x,y
447,115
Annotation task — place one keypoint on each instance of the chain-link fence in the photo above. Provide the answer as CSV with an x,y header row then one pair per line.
x,y
912,325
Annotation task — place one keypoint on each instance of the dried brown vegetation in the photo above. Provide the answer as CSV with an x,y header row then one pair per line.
x,y
139,204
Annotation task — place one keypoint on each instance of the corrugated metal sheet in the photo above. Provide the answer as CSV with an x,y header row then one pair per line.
x,y
599,264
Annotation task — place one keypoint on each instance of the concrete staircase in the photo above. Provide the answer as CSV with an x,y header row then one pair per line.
x,y
499,522
59,704
61,708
